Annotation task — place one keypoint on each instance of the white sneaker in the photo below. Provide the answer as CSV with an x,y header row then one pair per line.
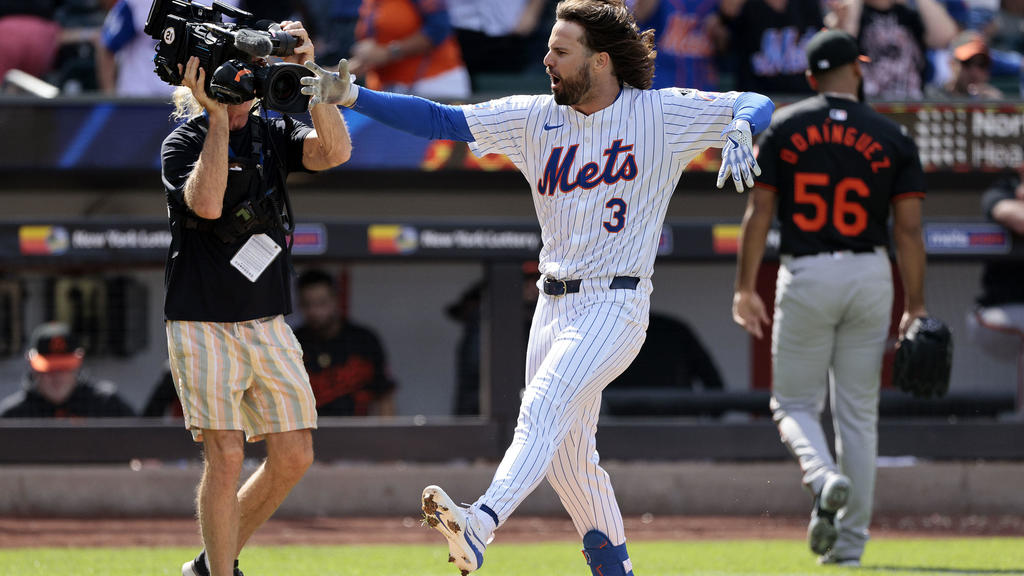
x,y
466,533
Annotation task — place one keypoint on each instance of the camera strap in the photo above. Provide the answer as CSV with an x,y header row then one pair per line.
x,y
283,213
255,134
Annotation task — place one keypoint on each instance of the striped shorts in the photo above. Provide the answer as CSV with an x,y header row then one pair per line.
x,y
245,376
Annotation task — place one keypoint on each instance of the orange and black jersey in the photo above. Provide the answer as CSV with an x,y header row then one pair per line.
x,y
836,166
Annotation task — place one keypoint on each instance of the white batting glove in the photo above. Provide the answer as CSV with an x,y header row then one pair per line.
x,y
330,87
738,156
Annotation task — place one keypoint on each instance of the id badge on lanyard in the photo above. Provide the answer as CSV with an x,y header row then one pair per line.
x,y
255,256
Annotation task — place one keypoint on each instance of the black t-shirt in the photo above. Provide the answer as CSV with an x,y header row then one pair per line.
x,y
836,165
87,400
770,46
1002,281
202,285
894,41
347,372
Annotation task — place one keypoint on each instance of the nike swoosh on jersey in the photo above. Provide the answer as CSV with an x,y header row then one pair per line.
x,y
550,127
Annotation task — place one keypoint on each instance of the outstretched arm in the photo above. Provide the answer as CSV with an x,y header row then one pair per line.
x,y
412,114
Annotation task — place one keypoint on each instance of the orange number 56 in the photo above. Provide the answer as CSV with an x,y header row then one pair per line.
x,y
848,216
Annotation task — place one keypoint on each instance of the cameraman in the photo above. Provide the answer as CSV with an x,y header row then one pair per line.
x,y
236,364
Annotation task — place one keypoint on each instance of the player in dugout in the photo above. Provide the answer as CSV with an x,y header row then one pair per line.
x,y
603,154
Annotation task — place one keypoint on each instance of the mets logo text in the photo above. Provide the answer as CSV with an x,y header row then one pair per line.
x,y
556,171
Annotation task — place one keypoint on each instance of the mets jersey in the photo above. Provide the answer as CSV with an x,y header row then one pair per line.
x,y
601,183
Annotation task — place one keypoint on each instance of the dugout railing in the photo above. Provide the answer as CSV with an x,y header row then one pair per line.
x,y
960,426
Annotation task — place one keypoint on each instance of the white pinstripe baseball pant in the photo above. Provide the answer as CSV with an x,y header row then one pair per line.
x,y
579,343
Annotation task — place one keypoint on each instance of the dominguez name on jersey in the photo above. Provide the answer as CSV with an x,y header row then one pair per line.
x,y
556,171
835,133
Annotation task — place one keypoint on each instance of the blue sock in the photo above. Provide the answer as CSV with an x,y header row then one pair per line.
x,y
487,509
603,558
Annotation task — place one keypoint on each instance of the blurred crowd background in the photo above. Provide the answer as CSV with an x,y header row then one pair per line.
x,y
462,49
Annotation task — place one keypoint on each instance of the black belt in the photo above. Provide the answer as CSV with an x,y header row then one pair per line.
x,y
553,287
842,251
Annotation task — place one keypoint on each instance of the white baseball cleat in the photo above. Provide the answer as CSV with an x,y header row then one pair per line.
x,y
822,532
466,534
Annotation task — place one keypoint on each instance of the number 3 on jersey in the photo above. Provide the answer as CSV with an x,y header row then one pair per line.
x,y
848,216
618,214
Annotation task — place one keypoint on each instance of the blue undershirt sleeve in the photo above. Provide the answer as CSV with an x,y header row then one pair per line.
x,y
415,115
753,108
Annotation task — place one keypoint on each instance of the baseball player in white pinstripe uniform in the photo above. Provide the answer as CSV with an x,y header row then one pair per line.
x,y
602,154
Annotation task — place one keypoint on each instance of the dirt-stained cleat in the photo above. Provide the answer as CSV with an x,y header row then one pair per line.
x,y
467,533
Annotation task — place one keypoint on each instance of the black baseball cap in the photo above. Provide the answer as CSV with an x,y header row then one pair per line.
x,y
54,348
830,49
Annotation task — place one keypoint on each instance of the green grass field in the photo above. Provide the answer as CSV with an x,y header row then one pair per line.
x,y
705,558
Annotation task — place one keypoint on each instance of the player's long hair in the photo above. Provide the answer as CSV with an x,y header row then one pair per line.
x,y
608,26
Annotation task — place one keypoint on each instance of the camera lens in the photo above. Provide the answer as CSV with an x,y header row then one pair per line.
x,y
282,90
284,87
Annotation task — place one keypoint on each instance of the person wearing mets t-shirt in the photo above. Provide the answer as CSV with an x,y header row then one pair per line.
x,y
836,169
602,154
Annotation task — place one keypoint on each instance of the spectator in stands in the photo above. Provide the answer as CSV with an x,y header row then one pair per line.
x,y
970,65
346,362
1006,69
29,36
494,36
997,325
895,37
767,37
124,53
408,46
684,30
55,386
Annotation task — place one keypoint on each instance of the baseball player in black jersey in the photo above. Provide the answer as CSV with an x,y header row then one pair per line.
x,y
836,168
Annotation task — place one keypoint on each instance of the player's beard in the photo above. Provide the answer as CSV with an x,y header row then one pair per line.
x,y
570,92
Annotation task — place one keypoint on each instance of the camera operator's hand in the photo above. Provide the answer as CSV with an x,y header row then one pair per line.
x,y
303,48
330,87
194,78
